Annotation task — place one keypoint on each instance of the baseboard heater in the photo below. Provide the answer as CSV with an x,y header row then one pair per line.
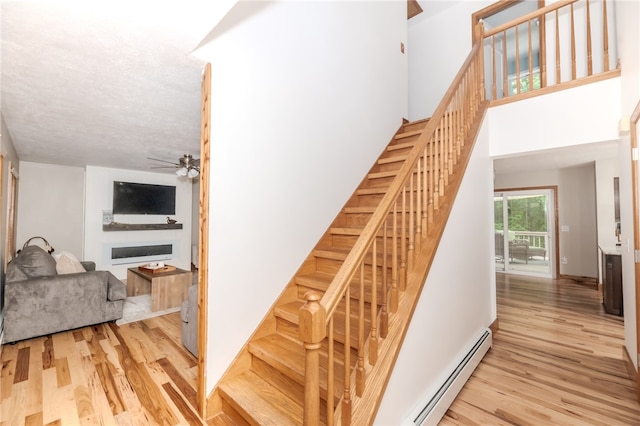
x,y
436,406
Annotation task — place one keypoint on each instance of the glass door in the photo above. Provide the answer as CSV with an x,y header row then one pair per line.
x,y
524,226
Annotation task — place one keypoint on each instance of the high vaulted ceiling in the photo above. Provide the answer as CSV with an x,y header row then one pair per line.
x,y
102,83
110,83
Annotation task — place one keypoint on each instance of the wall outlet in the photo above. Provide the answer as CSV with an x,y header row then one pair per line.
x,y
564,260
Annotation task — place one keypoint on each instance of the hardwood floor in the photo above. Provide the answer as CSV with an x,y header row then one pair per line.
x,y
135,374
556,360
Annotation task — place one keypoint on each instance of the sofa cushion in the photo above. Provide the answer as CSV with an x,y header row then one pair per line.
x,y
34,262
67,263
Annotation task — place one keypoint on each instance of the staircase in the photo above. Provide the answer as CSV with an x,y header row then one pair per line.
x,y
324,352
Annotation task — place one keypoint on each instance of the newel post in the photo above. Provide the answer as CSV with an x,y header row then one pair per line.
x,y
312,331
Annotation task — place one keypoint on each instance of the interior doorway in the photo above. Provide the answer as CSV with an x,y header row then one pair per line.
x,y
525,231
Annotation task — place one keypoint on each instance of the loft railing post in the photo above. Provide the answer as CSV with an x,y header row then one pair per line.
x,y
605,35
542,25
312,331
480,36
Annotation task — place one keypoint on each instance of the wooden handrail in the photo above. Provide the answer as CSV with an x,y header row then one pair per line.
x,y
336,290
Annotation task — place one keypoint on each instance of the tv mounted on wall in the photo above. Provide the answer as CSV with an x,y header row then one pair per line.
x,y
143,198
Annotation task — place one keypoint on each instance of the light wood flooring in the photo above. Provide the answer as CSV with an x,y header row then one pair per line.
x,y
135,374
556,360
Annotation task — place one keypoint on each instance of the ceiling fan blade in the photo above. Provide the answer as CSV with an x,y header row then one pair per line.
x,y
162,167
163,161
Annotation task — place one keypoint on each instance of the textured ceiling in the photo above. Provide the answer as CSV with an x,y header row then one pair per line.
x,y
102,83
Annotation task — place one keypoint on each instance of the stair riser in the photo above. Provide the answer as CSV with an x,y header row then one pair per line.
x,y
359,220
369,199
291,330
383,182
416,125
332,266
293,386
355,292
235,416
395,166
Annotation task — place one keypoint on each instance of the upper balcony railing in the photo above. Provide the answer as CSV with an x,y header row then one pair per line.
x,y
558,46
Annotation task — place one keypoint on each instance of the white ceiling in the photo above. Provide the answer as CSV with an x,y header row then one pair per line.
x,y
102,83
112,83
558,158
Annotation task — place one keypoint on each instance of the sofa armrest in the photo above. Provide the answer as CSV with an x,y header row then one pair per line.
x,y
88,265
116,289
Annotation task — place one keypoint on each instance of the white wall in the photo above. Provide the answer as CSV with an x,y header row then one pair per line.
x,y
628,16
606,170
438,46
456,303
99,197
305,95
51,205
585,114
577,222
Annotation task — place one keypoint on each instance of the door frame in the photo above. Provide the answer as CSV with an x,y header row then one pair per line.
x,y
554,262
633,128
203,241
10,231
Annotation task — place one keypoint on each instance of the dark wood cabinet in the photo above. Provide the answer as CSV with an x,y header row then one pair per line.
x,y
612,282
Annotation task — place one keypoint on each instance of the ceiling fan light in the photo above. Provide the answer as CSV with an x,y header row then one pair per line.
x,y
193,173
182,171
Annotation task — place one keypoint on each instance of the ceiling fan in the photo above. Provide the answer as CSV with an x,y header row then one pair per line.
x,y
186,166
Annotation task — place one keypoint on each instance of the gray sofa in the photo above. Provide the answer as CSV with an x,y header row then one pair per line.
x,y
39,301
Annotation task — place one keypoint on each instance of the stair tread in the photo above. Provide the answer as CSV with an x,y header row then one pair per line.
x,y
345,230
360,209
250,394
408,134
393,159
371,191
335,253
403,145
379,175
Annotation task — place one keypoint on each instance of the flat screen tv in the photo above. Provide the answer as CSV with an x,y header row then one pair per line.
x,y
143,198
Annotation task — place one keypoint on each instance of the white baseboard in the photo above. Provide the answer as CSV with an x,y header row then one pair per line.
x,y
437,402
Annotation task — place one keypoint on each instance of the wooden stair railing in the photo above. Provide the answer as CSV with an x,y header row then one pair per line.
x,y
375,270
572,48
